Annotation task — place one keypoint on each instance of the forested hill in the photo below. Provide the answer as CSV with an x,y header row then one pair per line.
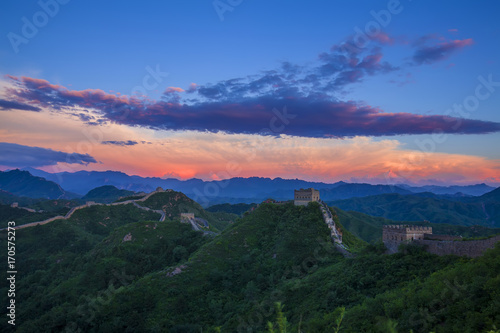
x,y
483,210
164,277
22,183
369,228
106,194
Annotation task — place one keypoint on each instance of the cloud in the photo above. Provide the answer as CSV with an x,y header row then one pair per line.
x,y
307,116
15,155
428,54
254,104
121,143
173,89
9,105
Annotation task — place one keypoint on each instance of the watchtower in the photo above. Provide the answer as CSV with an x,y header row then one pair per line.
x,y
304,196
401,232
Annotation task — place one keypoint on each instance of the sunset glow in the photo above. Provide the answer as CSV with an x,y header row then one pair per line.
x,y
404,104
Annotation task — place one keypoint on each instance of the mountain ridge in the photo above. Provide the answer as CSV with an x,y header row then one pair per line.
x,y
483,210
239,189
23,183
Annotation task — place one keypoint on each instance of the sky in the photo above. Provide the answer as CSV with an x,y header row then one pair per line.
x,y
359,91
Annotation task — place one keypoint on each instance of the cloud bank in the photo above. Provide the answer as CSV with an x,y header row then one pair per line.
x,y
15,155
121,143
13,105
292,99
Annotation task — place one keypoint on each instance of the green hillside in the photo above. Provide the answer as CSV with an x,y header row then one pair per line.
x,y
22,216
175,203
69,269
369,228
106,194
102,219
93,274
44,209
48,205
459,298
237,209
227,276
414,208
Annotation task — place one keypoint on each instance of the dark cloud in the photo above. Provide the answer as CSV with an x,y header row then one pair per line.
x,y
247,105
428,54
121,143
10,105
14,155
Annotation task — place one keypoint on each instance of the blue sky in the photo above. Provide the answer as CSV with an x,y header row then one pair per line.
x,y
109,45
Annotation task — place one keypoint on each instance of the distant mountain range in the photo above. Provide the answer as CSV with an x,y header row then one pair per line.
x,y
369,228
243,190
400,203
482,210
22,183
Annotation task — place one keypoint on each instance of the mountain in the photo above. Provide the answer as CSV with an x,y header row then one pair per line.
x,y
237,209
22,183
84,181
493,196
471,190
345,191
238,189
369,228
484,210
7,198
93,274
31,210
106,194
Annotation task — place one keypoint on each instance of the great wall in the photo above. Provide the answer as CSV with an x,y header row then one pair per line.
x,y
395,235
91,203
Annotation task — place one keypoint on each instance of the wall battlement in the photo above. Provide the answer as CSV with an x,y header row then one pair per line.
x,y
394,235
406,228
403,232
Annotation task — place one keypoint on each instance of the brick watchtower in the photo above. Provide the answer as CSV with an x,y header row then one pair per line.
x,y
303,197
393,235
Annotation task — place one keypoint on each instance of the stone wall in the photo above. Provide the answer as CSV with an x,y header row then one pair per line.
x,y
187,215
402,232
442,237
472,248
392,246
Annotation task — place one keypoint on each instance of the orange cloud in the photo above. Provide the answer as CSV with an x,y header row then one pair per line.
x,y
188,154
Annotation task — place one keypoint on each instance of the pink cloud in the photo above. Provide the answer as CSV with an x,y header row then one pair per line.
x,y
173,90
312,116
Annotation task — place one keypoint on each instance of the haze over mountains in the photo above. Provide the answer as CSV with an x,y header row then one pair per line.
x,y
236,190
471,205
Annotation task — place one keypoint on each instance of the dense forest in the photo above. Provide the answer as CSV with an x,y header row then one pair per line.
x,y
274,265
